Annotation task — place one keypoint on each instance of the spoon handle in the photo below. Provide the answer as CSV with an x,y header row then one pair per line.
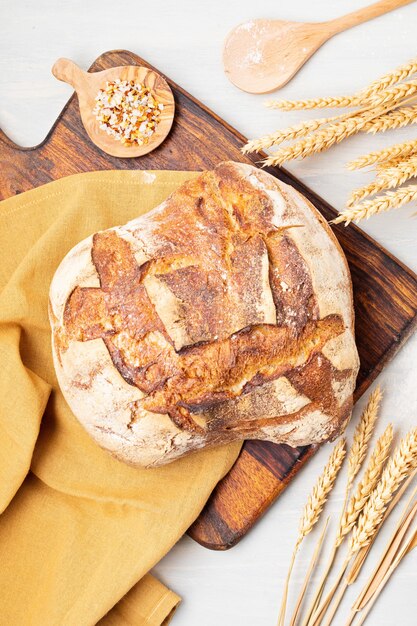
x,y
365,14
69,72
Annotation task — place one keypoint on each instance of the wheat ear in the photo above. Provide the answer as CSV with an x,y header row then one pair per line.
x,y
356,503
394,119
363,192
321,490
399,466
321,140
395,540
379,156
366,485
287,134
393,174
398,174
400,73
380,167
405,518
357,453
361,556
313,509
333,133
312,103
362,435
390,95
379,204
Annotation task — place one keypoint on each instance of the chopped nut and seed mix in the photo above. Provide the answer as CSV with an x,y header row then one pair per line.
x,y
128,111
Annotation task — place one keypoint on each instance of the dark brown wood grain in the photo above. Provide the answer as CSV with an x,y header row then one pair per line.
x,y
385,291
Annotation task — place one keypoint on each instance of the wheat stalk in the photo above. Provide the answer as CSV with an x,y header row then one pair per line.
x,y
391,174
405,520
312,103
387,154
325,138
394,173
398,174
398,467
384,82
362,435
391,549
357,453
352,511
394,119
380,167
361,556
366,485
404,549
286,134
389,95
380,106
362,192
321,490
311,568
296,131
313,508
390,200
320,612
400,73
321,140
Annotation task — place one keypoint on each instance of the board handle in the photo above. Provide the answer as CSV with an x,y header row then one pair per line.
x,y
69,72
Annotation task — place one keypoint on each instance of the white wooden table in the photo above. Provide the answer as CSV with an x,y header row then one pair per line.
x,y
184,38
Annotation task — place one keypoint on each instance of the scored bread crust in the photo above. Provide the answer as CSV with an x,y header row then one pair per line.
x,y
225,313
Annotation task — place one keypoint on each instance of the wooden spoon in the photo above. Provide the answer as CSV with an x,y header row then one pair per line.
x,y
262,55
88,84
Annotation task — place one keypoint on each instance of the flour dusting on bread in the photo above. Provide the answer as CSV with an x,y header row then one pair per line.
x,y
225,313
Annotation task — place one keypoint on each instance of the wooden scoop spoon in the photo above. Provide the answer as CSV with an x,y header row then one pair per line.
x,y
263,55
87,86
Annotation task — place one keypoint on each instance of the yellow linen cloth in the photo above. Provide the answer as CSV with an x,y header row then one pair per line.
x,y
79,530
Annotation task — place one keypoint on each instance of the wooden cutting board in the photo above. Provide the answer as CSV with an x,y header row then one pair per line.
x,y
385,291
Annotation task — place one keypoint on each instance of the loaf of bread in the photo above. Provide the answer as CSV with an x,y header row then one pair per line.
x,y
225,313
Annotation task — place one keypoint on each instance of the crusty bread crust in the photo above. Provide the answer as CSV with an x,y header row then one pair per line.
x,y
225,313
